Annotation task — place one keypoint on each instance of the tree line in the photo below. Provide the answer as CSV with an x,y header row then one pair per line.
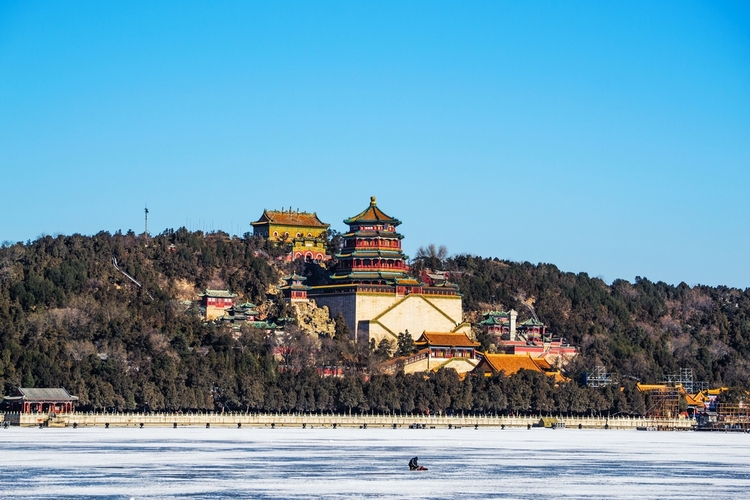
x,y
69,318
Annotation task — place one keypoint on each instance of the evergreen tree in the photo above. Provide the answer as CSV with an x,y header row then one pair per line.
x,y
405,344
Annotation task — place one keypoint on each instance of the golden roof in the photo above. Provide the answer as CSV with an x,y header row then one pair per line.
x,y
651,387
448,339
512,363
661,387
697,400
290,218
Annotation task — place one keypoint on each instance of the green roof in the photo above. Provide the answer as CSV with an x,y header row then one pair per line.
x,y
218,293
263,325
372,233
496,313
495,318
372,214
532,322
389,254
294,277
383,278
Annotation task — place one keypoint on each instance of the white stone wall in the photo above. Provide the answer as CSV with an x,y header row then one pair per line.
x,y
417,314
461,365
377,316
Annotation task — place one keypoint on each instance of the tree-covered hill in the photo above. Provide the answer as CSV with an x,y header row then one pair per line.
x,y
69,318
640,330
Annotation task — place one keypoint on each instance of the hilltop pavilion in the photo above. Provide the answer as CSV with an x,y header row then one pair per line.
x,y
301,232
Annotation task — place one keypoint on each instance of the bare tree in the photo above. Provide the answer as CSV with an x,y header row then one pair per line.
x,y
432,257
296,348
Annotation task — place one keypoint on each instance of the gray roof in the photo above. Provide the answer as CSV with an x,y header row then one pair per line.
x,y
45,394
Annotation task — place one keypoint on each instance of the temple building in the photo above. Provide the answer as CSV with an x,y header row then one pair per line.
x,y
294,290
492,364
529,338
500,324
40,400
447,345
243,312
443,350
302,232
373,291
215,303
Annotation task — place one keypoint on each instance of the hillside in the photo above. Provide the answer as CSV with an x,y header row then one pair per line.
x,y
641,330
69,318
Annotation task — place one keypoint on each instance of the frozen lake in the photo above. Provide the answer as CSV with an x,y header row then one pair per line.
x,y
125,463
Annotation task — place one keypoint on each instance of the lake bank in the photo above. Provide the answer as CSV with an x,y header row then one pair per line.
x,y
235,419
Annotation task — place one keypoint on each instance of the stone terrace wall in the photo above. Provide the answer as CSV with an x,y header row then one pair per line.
x,y
329,420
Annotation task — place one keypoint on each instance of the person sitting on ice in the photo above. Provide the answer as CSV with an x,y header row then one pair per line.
x,y
413,465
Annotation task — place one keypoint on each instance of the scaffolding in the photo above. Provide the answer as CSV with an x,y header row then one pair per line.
x,y
733,416
663,402
685,379
599,377
700,386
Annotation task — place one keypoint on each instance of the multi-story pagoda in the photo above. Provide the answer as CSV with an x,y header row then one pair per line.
x,y
373,291
371,253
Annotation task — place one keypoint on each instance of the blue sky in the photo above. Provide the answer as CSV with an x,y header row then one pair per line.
x,y
611,138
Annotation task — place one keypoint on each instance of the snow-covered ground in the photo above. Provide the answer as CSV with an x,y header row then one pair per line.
x,y
371,463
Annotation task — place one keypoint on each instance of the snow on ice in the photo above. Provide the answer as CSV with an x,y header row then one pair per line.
x,y
124,463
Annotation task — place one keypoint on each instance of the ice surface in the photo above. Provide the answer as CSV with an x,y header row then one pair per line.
x,y
371,463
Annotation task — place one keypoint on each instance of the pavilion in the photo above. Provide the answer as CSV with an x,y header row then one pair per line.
x,y
40,400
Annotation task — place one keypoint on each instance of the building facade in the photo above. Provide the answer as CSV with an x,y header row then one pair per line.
x,y
215,303
527,338
492,364
302,232
373,291
438,350
294,290
40,400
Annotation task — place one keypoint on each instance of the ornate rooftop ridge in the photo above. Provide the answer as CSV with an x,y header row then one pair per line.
x,y
372,214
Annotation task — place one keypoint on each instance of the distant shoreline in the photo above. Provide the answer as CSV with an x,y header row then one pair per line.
x,y
239,419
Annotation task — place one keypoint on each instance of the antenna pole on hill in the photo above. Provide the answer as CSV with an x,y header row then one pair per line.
x,y
146,232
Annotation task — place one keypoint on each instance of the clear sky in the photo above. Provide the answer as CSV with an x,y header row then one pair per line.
x,y
611,138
